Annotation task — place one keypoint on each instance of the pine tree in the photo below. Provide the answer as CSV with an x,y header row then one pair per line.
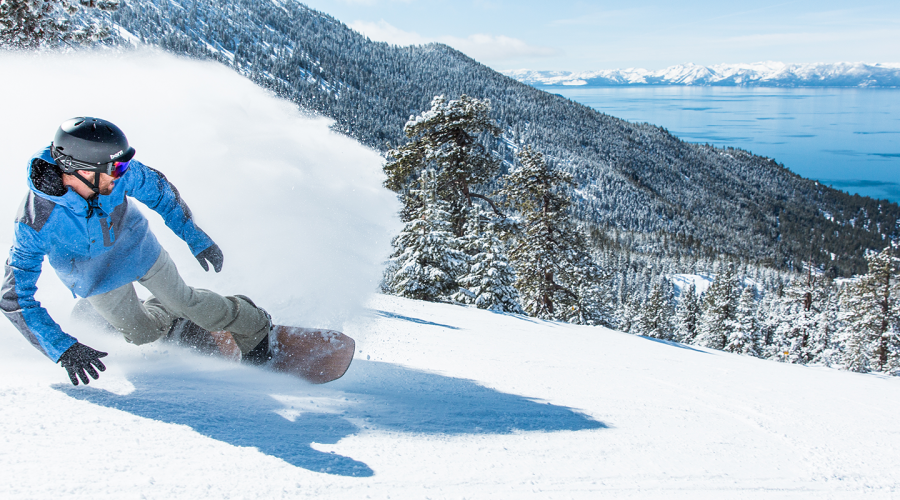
x,y
595,304
556,276
627,316
655,319
803,306
823,350
870,310
768,316
744,338
687,314
426,260
445,139
31,24
490,278
718,311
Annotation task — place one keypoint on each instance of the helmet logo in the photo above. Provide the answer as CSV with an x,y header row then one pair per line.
x,y
116,155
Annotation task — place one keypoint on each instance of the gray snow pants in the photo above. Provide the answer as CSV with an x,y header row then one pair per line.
x,y
146,322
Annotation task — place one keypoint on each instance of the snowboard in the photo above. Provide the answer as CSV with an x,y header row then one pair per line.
x,y
312,354
315,355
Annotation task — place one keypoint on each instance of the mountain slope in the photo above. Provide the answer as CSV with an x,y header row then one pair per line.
x,y
763,74
631,177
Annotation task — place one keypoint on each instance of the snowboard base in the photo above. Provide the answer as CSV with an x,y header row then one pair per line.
x,y
312,354
315,355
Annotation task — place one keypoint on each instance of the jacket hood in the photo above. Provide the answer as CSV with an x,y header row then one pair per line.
x,y
71,200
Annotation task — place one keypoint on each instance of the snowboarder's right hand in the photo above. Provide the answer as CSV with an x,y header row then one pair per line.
x,y
80,360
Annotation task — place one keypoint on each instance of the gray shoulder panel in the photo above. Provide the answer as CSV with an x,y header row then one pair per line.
x,y
35,211
118,215
9,304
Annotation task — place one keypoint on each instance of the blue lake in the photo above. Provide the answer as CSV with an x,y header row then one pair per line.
x,y
846,138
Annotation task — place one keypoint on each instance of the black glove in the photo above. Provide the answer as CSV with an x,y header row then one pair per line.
x,y
212,254
79,358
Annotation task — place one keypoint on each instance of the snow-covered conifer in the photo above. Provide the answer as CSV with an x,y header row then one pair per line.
x,y
719,307
31,24
555,272
687,314
627,316
870,309
594,305
744,337
824,346
489,281
445,139
798,327
768,316
426,260
657,311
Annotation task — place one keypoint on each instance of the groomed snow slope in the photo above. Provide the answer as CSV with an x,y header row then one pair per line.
x,y
442,402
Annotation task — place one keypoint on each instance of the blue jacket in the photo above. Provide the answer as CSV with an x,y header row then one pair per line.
x,y
92,249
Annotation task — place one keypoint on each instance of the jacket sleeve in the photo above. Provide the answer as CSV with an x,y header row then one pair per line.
x,y
20,276
151,188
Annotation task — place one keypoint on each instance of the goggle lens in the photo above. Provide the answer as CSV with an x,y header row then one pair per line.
x,y
120,168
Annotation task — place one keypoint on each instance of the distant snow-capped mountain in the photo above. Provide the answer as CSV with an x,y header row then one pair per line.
x,y
763,74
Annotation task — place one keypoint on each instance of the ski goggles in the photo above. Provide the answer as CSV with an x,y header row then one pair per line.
x,y
115,169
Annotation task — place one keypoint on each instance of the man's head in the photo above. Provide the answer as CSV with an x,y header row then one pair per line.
x,y
91,151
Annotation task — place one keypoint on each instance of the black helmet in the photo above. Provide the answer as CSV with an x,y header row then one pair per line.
x,y
86,143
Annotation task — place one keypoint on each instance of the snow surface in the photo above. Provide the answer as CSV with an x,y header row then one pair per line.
x,y
700,282
443,401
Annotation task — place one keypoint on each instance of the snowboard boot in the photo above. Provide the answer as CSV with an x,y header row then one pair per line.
x,y
189,334
262,353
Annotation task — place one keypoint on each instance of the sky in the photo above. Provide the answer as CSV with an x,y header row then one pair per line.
x,y
651,34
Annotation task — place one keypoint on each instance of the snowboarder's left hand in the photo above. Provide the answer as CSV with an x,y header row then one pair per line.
x,y
212,254
80,360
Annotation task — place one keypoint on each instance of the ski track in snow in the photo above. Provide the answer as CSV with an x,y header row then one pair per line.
x,y
442,401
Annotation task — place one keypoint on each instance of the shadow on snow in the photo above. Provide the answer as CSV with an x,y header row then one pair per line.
x,y
671,343
243,411
385,314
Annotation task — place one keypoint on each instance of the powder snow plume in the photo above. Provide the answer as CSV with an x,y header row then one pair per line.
x,y
297,209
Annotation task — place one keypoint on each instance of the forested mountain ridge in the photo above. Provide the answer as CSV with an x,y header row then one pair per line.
x,y
631,179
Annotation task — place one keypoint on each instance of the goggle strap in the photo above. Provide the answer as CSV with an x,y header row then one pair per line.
x,y
75,165
95,186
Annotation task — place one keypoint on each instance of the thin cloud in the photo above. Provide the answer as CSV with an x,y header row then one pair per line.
x,y
497,47
382,31
373,2
782,39
850,16
600,18
482,47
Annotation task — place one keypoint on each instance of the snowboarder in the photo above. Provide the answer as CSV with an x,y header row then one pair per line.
x,y
78,213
